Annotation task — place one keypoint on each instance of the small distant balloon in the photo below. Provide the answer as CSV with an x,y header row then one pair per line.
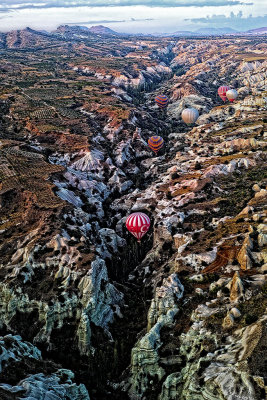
x,y
138,224
222,92
190,115
155,143
231,95
162,101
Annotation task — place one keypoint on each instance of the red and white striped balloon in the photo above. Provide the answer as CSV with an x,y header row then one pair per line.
x,y
222,92
138,224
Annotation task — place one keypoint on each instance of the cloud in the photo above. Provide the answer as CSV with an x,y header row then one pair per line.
x,y
141,19
110,21
103,21
237,21
8,5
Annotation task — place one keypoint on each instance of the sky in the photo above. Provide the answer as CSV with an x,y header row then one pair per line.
x,y
134,16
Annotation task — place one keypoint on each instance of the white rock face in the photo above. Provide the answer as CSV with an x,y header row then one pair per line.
x,y
57,386
91,161
125,80
200,103
225,376
69,196
145,357
14,349
165,299
41,387
95,304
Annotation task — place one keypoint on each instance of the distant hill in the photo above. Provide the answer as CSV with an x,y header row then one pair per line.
x,y
75,29
27,38
102,30
215,31
183,33
258,31
205,32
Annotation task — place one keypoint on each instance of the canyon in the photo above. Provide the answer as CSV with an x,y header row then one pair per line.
x,y
86,312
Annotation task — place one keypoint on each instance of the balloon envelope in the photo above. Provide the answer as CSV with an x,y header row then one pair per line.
x,y
231,95
222,92
162,101
190,115
155,143
138,224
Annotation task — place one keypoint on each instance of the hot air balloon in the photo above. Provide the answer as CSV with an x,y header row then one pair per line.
x,y
190,115
155,143
231,95
138,224
162,101
222,92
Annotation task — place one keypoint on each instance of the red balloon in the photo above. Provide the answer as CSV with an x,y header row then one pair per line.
x,y
222,92
138,224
